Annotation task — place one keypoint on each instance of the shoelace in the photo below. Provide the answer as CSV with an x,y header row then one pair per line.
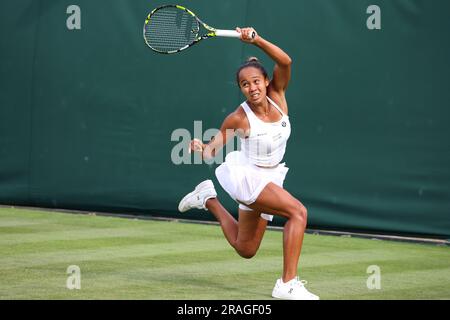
x,y
302,283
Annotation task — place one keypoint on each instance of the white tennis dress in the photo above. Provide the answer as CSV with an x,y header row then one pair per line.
x,y
245,173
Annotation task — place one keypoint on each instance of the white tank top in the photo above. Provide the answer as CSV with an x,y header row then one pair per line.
x,y
266,144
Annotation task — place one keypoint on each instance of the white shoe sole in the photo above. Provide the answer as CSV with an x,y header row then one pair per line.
x,y
280,296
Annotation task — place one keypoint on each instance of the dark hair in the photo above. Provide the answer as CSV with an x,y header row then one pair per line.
x,y
251,62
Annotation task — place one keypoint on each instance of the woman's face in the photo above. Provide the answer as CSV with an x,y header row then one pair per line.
x,y
253,84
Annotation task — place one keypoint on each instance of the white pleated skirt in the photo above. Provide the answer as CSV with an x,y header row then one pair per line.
x,y
244,181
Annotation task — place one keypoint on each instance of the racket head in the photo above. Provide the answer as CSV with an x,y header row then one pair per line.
x,y
171,29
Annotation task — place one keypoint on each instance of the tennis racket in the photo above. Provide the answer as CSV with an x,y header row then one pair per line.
x,y
173,28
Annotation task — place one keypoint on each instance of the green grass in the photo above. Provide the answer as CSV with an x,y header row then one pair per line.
x,y
140,259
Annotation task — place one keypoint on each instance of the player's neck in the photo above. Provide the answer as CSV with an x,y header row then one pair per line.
x,y
262,108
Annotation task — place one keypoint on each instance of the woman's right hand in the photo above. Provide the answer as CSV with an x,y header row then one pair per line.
x,y
248,35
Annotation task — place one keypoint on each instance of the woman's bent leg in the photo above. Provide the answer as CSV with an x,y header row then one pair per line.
x,y
244,235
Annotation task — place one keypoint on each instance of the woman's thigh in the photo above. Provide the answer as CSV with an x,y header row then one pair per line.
x,y
275,200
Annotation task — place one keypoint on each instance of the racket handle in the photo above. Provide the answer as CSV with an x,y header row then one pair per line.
x,y
231,34
228,33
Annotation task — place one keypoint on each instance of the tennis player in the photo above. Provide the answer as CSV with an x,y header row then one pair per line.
x,y
254,176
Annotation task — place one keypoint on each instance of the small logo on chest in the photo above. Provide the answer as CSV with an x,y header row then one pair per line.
x,y
284,124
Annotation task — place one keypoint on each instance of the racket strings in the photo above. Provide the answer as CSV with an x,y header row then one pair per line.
x,y
170,29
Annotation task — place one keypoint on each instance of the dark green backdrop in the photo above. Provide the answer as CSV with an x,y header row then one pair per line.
x,y
86,116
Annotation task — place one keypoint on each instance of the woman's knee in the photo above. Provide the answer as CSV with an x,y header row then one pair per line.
x,y
247,252
298,212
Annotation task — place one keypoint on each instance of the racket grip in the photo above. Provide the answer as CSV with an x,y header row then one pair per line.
x,y
228,33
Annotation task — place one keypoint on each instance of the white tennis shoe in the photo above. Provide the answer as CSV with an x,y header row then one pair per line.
x,y
292,290
197,198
